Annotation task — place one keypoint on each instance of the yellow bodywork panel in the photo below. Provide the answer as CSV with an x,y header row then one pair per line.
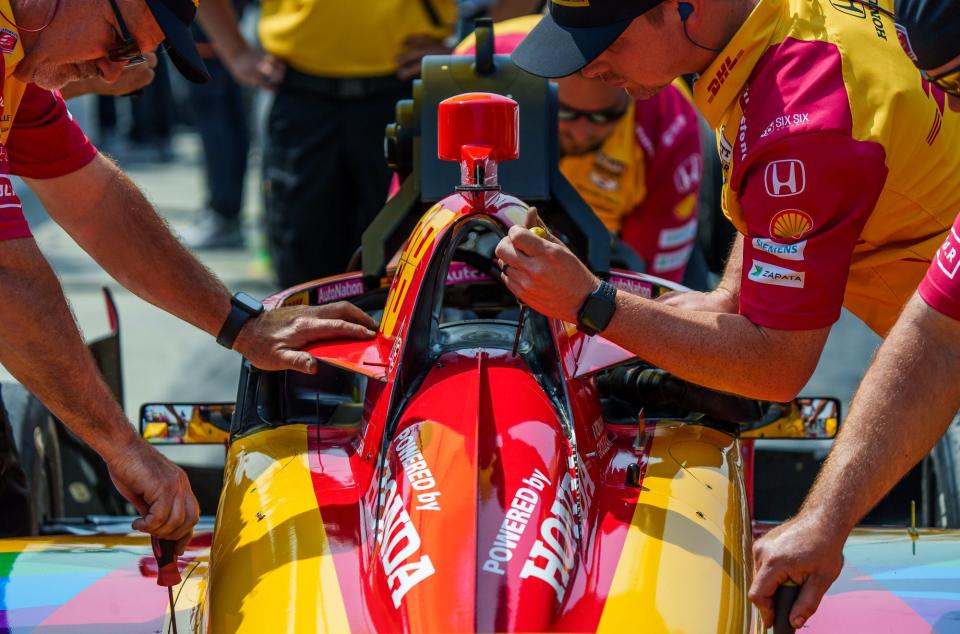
x,y
683,563
270,555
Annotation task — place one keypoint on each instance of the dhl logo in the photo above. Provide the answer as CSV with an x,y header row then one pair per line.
x,y
722,74
424,235
576,4
790,224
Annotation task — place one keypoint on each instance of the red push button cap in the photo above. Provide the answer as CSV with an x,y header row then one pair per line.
x,y
479,120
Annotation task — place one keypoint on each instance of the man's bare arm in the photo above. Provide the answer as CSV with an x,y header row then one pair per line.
x,y
886,434
716,348
110,218
41,346
731,353
112,221
905,403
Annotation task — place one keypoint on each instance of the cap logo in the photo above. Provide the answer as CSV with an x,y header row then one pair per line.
x,y
904,39
573,3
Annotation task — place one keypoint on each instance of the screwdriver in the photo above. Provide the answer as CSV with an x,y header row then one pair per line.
x,y
168,574
540,232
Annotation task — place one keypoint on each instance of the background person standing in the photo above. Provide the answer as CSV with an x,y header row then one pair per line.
x,y
224,127
338,70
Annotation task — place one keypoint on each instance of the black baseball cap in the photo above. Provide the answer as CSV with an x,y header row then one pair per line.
x,y
174,18
929,31
575,33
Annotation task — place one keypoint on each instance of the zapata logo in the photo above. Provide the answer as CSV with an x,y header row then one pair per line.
x,y
790,224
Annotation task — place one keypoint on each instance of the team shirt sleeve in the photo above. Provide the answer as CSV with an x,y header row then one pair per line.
x,y
940,288
45,141
805,200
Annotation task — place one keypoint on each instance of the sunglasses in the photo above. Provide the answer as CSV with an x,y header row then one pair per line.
x,y
948,82
127,51
597,117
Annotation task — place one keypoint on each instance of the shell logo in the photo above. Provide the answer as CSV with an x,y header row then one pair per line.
x,y
790,224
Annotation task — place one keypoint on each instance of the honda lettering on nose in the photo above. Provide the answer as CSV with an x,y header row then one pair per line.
x,y
785,178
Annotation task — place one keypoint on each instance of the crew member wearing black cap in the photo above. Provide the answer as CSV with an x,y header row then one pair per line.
x,y
908,397
840,168
45,44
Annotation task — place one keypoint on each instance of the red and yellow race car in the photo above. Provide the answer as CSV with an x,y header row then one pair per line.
x,y
476,466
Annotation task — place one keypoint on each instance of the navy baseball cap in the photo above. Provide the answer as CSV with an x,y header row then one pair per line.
x,y
174,18
575,33
929,31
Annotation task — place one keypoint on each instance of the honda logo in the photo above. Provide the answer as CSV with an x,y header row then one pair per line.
x,y
850,7
785,178
688,173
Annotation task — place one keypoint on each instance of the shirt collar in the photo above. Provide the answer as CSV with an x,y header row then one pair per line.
x,y
722,82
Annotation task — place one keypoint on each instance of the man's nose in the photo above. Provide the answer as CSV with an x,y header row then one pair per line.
x,y
578,131
110,71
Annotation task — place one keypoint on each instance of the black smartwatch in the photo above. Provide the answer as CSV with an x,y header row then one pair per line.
x,y
242,309
597,309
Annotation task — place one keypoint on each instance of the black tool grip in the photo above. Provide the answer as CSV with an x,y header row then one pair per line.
x,y
165,552
783,600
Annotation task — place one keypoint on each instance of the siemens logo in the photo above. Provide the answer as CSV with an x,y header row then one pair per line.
x,y
783,251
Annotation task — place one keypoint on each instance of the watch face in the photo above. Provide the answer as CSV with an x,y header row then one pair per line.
x,y
597,310
248,303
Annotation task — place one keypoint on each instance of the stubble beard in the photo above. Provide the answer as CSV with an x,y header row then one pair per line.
x,y
56,76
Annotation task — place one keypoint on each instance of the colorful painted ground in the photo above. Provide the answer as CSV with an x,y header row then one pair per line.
x,y
86,585
890,583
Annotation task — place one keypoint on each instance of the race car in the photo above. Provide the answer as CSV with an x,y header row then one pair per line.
x,y
476,466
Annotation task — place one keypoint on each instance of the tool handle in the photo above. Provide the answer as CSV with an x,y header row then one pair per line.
x,y
168,574
783,600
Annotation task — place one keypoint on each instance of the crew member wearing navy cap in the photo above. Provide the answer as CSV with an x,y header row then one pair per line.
x,y
46,44
908,397
840,165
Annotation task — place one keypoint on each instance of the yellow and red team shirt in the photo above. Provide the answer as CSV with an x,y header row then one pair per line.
x,y
643,182
38,137
840,163
940,288
355,38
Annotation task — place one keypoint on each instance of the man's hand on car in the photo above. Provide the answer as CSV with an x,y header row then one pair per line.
x,y
804,550
273,341
543,273
158,489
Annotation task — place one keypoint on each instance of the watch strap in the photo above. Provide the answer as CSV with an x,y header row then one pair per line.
x,y
597,310
242,309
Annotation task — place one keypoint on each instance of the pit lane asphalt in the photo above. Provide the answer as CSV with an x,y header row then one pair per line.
x,y
167,360
164,359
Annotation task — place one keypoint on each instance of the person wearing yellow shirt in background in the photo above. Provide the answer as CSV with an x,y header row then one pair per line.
x,y
637,163
338,70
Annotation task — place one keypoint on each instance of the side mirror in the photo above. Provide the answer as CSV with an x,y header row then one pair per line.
x,y
186,423
805,418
